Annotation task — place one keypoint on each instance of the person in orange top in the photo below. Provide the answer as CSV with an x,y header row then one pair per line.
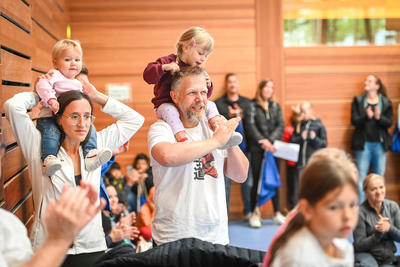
x,y
146,216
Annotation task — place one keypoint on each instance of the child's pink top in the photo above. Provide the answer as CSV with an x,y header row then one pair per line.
x,y
275,237
153,74
58,84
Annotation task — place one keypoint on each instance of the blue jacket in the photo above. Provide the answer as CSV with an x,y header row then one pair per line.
x,y
103,192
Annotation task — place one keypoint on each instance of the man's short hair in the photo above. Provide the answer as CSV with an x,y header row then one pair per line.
x,y
182,73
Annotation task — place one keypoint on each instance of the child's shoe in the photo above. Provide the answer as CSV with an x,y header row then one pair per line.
x,y
51,165
235,140
97,157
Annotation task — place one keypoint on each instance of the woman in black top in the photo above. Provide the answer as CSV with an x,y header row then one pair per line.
x,y
372,115
263,125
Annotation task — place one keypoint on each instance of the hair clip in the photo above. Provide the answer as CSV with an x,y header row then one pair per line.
x,y
193,42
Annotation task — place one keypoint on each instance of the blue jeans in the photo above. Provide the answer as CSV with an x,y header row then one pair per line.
x,y
374,154
245,188
50,136
92,142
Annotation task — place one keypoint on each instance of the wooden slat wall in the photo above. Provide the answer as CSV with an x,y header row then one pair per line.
x,y
119,39
28,32
330,77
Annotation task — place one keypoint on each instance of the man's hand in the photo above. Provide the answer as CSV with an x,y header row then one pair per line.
x,y
235,111
224,131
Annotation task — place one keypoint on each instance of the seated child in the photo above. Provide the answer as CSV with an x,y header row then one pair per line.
x,y
67,62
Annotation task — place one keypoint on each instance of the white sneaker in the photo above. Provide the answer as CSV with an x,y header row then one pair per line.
x,y
247,217
235,140
97,157
278,219
255,220
51,165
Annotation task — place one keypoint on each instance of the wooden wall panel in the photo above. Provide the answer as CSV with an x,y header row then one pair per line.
x,y
18,11
43,43
15,68
141,34
14,162
12,36
320,56
25,210
50,16
16,188
126,10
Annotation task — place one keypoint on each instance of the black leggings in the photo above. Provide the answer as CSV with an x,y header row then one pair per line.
x,y
256,162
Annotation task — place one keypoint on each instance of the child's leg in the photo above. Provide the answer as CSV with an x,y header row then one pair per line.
x,y
50,141
170,114
94,157
50,136
92,142
214,118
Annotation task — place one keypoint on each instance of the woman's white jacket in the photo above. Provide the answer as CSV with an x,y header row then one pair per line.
x,y
91,238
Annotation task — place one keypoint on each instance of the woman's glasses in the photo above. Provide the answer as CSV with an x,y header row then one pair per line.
x,y
76,119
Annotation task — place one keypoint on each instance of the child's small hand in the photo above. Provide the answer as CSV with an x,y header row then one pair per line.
x,y
208,79
54,105
172,67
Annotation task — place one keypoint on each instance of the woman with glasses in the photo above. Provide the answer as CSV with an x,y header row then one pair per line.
x,y
74,119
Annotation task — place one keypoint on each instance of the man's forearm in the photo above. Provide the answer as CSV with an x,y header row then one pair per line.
x,y
236,165
178,154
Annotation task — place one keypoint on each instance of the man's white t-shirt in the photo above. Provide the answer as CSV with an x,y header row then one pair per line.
x,y
304,250
15,247
189,199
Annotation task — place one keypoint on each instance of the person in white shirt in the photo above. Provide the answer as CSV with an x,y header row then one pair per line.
x,y
74,119
63,220
328,213
188,176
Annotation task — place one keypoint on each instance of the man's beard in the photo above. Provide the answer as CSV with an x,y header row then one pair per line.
x,y
192,115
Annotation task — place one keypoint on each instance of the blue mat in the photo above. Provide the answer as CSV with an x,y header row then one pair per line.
x,y
242,235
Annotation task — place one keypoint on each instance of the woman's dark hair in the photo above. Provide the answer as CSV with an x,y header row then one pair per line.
x,y
64,100
323,174
382,88
260,100
141,156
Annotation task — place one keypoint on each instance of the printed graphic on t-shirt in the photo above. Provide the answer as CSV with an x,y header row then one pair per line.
x,y
204,166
